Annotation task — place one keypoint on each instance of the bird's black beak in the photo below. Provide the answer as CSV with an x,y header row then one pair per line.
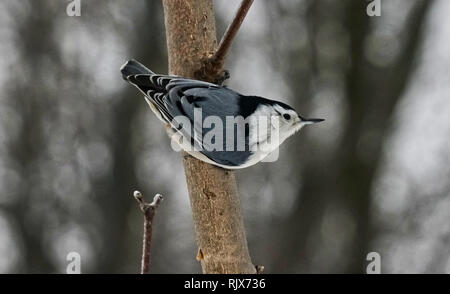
x,y
310,121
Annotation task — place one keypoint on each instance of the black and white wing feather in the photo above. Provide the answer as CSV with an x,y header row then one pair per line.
x,y
176,97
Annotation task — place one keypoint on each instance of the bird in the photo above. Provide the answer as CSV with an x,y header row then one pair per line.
x,y
214,123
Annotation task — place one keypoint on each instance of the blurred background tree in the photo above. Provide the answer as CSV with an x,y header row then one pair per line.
x,y
75,140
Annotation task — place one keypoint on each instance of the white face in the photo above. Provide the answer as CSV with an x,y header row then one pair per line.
x,y
282,123
289,121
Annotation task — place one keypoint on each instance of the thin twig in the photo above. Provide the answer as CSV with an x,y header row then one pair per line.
x,y
149,210
233,28
213,68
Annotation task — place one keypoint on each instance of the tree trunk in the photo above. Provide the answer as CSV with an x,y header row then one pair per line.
x,y
191,39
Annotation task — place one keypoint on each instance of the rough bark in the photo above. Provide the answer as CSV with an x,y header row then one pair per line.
x,y
191,40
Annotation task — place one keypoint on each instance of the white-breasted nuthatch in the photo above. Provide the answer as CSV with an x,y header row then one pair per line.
x,y
214,123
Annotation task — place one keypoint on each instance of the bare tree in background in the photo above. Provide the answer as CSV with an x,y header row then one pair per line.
x,y
348,168
39,210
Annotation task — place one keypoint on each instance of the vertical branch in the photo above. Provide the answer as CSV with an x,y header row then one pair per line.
x,y
220,234
149,210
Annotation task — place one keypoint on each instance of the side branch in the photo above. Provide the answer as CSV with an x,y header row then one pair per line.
x,y
149,210
213,68
227,39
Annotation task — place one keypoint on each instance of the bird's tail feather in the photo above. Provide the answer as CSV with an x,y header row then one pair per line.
x,y
149,83
133,67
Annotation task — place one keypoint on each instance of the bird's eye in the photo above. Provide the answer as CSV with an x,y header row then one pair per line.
x,y
286,116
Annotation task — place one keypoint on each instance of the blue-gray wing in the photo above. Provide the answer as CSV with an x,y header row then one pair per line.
x,y
216,127
197,110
